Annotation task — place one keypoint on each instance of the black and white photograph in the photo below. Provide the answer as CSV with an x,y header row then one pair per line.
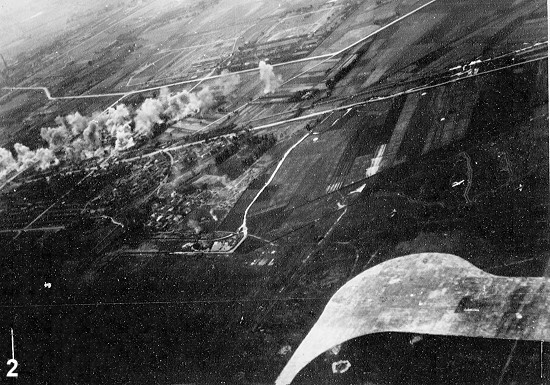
x,y
274,192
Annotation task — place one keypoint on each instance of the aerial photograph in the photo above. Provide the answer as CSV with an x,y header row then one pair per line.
x,y
274,192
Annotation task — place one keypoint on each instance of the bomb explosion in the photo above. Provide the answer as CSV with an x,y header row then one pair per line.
x,y
78,137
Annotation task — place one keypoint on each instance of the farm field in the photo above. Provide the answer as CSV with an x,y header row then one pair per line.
x,y
184,186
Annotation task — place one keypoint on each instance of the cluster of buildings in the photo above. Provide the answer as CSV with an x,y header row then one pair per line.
x,y
141,179
171,213
220,243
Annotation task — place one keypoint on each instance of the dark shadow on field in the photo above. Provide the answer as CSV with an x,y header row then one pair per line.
x,y
403,358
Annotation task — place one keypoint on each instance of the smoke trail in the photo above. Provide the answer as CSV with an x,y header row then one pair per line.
x,y
268,77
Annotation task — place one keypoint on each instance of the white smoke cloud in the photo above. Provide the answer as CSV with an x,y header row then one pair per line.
x,y
42,158
117,118
180,106
205,100
77,137
124,138
92,135
74,152
184,104
77,122
57,137
7,162
147,115
268,77
117,124
228,82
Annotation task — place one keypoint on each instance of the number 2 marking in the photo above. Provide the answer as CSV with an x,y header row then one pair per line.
x,y
12,373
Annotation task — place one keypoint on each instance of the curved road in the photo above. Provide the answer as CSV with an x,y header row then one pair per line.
x,y
243,228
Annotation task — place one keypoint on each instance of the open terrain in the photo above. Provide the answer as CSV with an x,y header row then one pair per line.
x,y
234,163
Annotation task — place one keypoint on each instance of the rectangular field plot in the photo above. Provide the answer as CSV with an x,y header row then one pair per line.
x,y
303,24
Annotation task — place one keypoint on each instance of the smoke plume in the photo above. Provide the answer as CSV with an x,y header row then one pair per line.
x,y
77,137
7,162
115,119
57,137
77,122
124,139
184,104
228,82
147,115
268,77
42,158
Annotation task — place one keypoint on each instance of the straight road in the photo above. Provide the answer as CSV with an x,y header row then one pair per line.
x,y
313,58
